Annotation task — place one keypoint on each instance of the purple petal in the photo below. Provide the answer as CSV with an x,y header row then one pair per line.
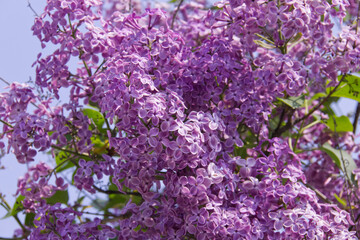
x,y
153,141
154,132
82,163
278,225
164,126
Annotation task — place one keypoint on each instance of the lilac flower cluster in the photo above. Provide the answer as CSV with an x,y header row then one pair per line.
x,y
179,132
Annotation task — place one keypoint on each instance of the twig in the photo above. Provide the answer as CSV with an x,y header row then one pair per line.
x,y
115,192
318,193
8,83
104,61
357,219
347,177
69,151
288,126
14,216
356,118
7,124
4,81
32,9
280,120
176,12
4,238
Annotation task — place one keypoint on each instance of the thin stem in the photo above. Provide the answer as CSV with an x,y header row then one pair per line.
x,y
356,117
264,38
8,83
69,151
60,164
176,12
14,216
7,206
298,136
87,68
280,120
99,214
357,18
288,126
5,81
32,9
104,61
318,193
357,219
107,123
6,123
4,238
115,192
144,123
347,177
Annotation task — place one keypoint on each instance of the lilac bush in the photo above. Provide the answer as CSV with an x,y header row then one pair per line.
x,y
188,121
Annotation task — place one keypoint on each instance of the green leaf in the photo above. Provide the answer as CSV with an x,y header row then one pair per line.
x,y
61,157
58,197
339,124
339,158
340,200
317,96
117,201
96,116
18,207
349,88
294,102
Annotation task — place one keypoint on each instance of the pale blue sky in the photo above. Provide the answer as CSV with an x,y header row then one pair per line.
x,y
18,51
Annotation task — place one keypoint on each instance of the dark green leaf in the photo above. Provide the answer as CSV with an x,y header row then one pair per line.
x,y
294,102
58,197
68,137
29,219
339,158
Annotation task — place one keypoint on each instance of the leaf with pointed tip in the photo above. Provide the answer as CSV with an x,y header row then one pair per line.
x,y
349,88
18,207
341,158
294,102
